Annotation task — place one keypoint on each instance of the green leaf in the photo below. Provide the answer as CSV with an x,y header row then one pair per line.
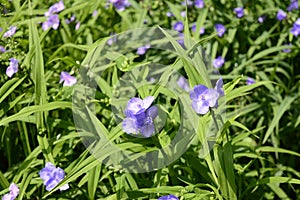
x,y
285,104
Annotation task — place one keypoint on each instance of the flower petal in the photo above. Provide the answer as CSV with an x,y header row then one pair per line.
x,y
200,107
14,190
219,87
152,112
197,91
147,102
134,106
211,96
64,187
148,130
129,125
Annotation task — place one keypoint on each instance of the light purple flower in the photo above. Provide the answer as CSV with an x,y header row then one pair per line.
x,y
281,15
219,87
1,29
293,6
67,79
12,68
77,26
72,18
112,39
120,5
168,197
218,62
204,98
220,28
52,21
199,3
183,14
2,49
261,19
250,81
95,13
140,116
52,176
169,14
189,3
183,83
178,26
181,39
201,31
239,12
142,50
11,31
287,50
55,8
296,28
13,192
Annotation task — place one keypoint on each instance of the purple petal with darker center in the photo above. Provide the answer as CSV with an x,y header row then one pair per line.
x,y
134,106
197,91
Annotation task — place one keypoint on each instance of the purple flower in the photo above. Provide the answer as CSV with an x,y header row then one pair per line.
x,y
219,87
204,98
169,14
183,83
202,30
1,29
293,6
218,62
287,50
220,28
250,81
67,79
11,31
52,21
13,192
168,197
112,39
55,8
281,15
189,3
261,19
296,28
178,26
183,14
142,50
199,3
52,176
120,5
140,116
77,26
95,13
2,49
239,12
12,68
72,18
181,39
